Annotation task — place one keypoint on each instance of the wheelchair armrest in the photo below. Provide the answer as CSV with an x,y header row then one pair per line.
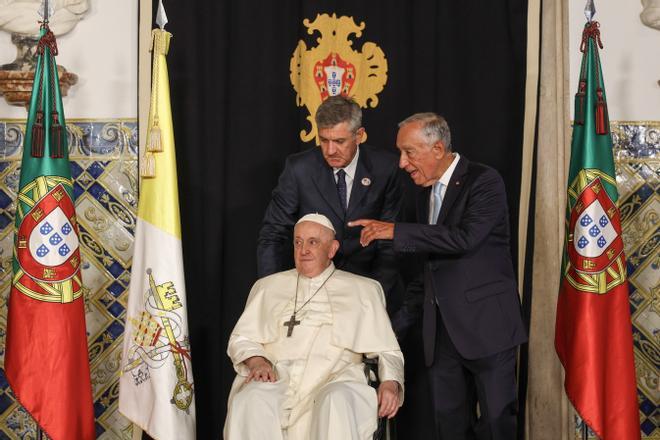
x,y
386,427
371,371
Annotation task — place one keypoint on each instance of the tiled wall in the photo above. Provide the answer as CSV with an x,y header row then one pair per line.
x,y
104,168
637,158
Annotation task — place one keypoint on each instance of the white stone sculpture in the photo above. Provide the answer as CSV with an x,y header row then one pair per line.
x,y
650,16
21,19
22,16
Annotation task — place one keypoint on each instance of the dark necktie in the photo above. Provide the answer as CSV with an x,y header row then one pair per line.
x,y
341,188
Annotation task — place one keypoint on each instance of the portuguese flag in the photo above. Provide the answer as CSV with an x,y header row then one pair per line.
x,y
593,334
46,360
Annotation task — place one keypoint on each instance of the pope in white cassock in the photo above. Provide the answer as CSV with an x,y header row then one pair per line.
x,y
298,347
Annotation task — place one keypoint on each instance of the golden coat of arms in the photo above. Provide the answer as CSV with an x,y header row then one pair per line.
x,y
333,67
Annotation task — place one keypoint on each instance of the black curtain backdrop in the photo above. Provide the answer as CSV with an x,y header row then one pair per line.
x,y
236,119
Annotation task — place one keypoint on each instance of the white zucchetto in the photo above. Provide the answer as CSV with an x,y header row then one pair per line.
x,y
319,219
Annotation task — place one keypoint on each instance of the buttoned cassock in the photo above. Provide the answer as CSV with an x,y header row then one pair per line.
x,y
321,391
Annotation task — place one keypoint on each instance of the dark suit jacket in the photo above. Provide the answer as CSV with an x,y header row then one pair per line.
x,y
307,185
467,271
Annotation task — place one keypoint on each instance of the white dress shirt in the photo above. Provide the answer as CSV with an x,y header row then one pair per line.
x,y
350,174
444,181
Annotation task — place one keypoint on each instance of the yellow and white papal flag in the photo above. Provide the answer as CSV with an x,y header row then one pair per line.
x,y
156,389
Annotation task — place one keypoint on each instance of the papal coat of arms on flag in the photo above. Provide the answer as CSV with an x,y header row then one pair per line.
x,y
334,67
160,337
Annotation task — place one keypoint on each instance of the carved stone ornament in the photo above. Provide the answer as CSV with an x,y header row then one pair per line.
x,y
21,18
334,67
650,15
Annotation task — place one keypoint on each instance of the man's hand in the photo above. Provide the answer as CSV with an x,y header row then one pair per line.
x,y
260,370
373,230
388,399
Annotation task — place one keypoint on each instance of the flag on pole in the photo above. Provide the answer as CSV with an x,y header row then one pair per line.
x,y
156,386
593,334
47,360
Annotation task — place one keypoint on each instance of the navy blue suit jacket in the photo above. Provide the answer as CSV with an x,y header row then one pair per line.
x,y
467,272
307,185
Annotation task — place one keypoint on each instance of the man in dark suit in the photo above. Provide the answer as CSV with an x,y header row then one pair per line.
x,y
466,290
342,180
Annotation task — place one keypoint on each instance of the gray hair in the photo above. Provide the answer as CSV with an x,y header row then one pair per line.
x,y
434,127
337,109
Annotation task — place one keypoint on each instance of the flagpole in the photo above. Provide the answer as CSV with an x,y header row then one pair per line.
x,y
40,434
46,11
589,12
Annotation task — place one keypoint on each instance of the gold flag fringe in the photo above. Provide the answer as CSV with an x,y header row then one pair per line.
x,y
154,144
148,165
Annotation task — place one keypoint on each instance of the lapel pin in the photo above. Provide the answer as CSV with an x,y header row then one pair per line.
x,y
366,181
458,183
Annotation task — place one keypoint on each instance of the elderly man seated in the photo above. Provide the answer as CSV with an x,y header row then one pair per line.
x,y
298,348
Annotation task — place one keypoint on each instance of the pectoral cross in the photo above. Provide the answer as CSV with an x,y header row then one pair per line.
x,y
291,323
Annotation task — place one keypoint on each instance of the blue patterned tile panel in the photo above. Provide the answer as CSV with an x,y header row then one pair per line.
x,y
107,223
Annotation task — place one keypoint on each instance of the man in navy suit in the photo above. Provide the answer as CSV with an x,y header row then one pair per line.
x,y
342,180
466,290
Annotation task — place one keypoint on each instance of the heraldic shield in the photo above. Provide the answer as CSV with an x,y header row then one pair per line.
x,y
47,247
334,67
595,247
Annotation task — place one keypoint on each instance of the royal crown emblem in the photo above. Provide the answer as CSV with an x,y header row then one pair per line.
x,y
595,246
47,248
333,67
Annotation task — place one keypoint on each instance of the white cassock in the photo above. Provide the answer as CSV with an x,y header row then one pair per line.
x,y
321,392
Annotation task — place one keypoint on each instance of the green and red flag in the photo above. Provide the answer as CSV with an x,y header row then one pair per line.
x,y
46,360
593,334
